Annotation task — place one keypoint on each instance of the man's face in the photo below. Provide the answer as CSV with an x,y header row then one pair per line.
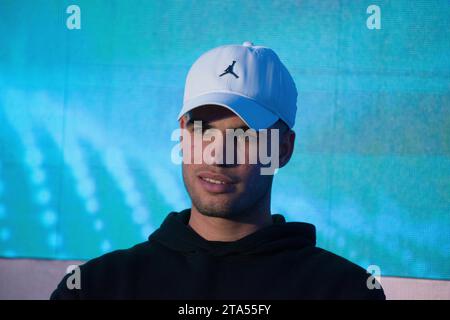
x,y
222,190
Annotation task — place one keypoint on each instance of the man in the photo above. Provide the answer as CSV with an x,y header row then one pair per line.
x,y
229,245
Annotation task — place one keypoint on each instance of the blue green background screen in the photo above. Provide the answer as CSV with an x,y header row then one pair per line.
x,y
86,117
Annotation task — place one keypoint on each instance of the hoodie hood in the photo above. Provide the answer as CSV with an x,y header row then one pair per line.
x,y
176,234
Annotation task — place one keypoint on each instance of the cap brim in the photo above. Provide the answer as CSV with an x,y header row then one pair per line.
x,y
251,112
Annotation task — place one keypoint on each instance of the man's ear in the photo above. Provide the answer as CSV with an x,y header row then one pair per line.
x,y
185,119
287,142
182,122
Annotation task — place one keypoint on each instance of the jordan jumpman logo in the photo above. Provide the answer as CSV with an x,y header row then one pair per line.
x,y
229,69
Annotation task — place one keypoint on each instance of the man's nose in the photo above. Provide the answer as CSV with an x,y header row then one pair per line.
x,y
219,156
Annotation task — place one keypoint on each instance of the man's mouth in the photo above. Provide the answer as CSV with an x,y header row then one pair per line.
x,y
213,181
216,183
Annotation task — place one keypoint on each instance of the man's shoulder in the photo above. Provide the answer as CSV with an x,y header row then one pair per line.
x,y
120,258
335,262
97,273
345,277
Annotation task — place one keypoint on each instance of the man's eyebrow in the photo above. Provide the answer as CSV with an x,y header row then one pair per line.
x,y
243,127
203,122
208,125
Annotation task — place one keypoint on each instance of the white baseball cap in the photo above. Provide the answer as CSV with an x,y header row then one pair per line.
x,y
249,80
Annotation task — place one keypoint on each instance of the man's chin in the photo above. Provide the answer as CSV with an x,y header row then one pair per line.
x,y
215,210
216,213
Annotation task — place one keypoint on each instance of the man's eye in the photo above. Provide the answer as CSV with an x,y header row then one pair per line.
x,y
248,134
241,136
198,129
210,133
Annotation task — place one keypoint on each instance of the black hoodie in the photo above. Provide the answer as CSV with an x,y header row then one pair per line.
x,y
279,261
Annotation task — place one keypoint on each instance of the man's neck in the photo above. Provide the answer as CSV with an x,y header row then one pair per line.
x,y
227,229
